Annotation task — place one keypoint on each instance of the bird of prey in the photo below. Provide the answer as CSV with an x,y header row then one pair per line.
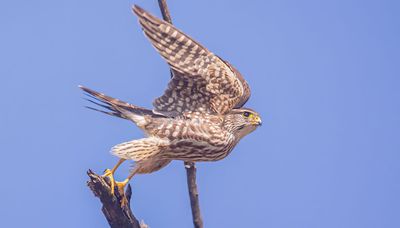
x,y
200,116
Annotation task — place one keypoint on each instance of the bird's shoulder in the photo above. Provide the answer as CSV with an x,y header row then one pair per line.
x,y
202,116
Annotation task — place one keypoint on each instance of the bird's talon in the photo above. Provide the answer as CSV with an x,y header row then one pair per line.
x,y
108,173
121,187
124,201
121,191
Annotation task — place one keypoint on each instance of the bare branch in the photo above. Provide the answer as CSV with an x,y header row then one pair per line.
x,y
190,166
117,216
193,194
164,11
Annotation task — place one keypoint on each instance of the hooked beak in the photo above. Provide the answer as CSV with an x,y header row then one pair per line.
x,y
257,121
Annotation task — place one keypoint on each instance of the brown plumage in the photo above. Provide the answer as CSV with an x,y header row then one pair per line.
x,y
198,118
201,80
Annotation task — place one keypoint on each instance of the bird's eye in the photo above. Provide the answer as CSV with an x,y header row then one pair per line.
x,y
246,114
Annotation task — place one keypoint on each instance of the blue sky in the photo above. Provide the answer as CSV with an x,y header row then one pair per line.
x,y
325,76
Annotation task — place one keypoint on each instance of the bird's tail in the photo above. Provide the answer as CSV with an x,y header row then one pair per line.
x,y
116,107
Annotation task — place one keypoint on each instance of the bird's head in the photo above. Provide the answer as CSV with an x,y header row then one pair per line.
x,y
242,121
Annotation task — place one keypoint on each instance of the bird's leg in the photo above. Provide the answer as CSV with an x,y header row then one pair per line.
x,y
110,174
121,186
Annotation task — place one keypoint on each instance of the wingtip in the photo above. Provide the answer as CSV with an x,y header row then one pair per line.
x,y
89,91
83,88
137,10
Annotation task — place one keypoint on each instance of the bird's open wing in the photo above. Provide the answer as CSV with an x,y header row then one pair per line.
x,y
201,80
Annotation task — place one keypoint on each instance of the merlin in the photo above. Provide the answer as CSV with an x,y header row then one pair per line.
x,y
200,117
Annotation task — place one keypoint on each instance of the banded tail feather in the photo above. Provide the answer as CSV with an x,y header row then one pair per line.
x,y
117,108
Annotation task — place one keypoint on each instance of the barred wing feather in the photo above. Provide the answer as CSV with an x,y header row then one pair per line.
x,y
201,80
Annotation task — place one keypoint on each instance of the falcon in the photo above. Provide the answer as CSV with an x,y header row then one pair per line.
x,y
200,117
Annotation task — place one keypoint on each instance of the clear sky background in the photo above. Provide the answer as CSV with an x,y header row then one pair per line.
x,y
325,76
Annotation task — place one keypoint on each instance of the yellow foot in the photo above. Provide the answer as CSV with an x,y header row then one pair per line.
x,y
121,191
108,173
